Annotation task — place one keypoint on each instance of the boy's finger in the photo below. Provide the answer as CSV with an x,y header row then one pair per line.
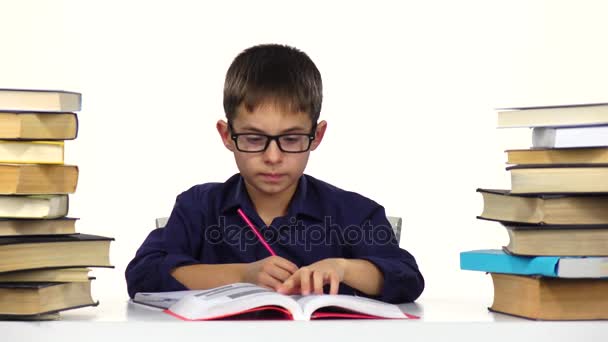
x,y
269,281
286,265
279,274
304,280
317,278
289,282
287,286
294,290
334,283
292,283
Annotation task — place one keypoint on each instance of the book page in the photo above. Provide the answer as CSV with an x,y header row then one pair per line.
x,y
230,300
165,299
582,267
162,300
313,306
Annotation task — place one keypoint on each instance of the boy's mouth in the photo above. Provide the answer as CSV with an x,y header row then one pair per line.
x,y
271,177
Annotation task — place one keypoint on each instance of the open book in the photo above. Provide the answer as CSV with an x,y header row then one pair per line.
x,y
249,301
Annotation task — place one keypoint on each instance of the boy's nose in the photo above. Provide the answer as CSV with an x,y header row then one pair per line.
x,y
273,153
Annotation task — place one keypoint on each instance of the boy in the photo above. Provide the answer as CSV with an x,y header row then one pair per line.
x,y
325,238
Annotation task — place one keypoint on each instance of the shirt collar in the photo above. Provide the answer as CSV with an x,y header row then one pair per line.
x,y
236,195
305,200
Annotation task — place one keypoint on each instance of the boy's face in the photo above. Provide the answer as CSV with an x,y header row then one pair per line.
x,y
270,172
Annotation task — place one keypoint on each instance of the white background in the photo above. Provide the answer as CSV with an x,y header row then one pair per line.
x,y
410,91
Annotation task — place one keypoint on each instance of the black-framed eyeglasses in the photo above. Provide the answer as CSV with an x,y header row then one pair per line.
x,y
289,143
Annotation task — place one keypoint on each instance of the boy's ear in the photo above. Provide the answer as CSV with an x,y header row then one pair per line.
x,y
222,129
319,133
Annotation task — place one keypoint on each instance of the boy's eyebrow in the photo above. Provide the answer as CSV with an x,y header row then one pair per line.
x,y
288,130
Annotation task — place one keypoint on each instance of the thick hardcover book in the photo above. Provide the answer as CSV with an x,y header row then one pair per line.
x,y
574,209
33,207
248,301
30,100
38,126
497,261
545,298
563,178
60,251
46,275
29,299
30,227
554,116
557,240
30,179
556,156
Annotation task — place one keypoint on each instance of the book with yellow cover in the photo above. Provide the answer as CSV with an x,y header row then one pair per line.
x,y
31,152
25,179
38,126
556,156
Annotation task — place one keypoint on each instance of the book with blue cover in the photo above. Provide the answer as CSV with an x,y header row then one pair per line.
x,y
497,261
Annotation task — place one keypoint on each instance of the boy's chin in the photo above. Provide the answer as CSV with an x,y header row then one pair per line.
x,y
274,186
271,189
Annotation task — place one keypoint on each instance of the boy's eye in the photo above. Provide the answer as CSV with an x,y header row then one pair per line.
x,y
255,139
291,139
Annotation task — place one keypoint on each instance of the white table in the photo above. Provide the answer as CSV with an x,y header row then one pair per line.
x,y
442,320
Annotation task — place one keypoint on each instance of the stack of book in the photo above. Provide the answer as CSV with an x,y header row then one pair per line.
x,y
43,260
556,215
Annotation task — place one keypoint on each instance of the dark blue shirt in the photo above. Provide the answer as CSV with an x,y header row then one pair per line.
x,y
322,222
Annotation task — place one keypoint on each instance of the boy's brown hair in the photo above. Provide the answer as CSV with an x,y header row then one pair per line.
x,y
272,72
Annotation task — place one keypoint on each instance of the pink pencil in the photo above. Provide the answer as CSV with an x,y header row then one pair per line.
x,y
256,232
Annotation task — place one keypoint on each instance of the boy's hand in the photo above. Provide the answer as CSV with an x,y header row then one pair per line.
x,y
270,272
313,277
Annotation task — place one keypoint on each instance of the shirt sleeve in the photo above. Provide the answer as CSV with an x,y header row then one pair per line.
x,y
177,244
377,244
